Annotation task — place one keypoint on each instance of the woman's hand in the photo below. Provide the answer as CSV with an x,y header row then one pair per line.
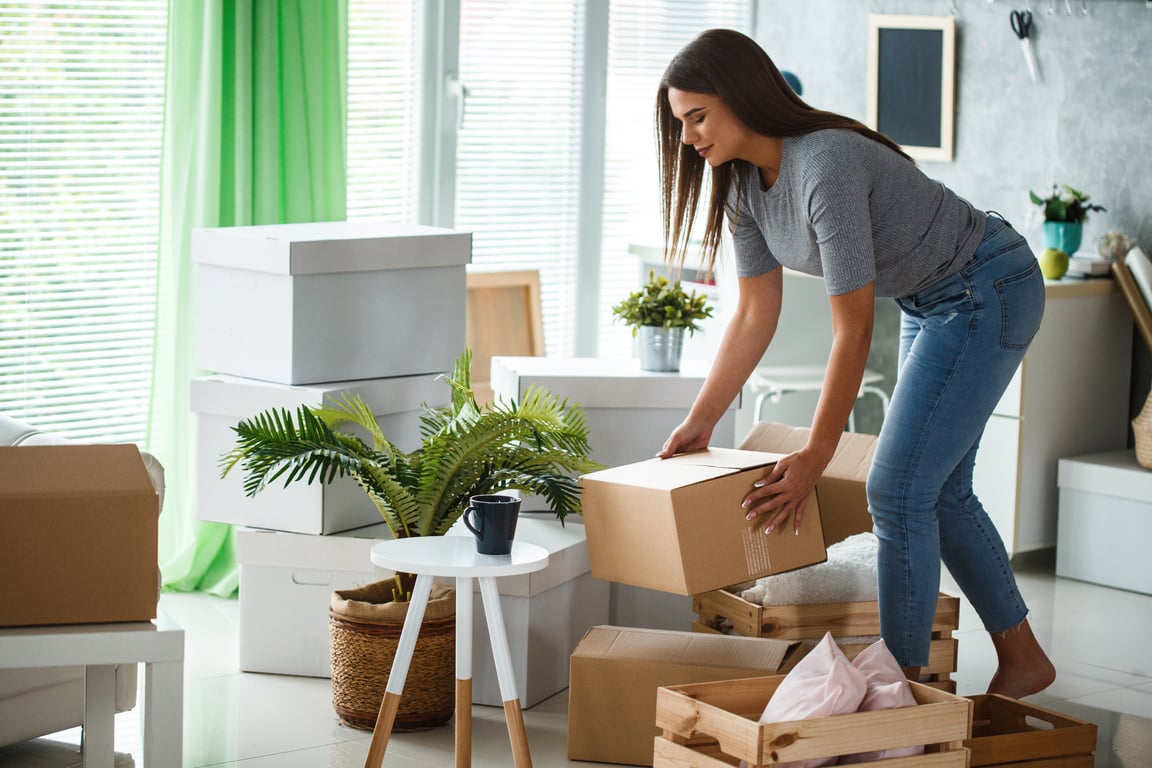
x,y
784,492
689,436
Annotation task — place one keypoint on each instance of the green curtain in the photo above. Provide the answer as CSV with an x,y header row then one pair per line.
x,y
254,133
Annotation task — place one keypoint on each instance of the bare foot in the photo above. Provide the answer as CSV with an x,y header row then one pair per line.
x,y
1018,682
1023,668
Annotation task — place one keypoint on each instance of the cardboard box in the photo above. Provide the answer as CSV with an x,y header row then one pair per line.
x,y
80,535
286,584
329,301
614,674
676,525
630,414
220,402
287,580
1007,732
841,489
718,724
1105,520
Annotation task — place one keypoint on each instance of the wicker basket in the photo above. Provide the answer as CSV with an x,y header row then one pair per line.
x,y
1142,430
364,628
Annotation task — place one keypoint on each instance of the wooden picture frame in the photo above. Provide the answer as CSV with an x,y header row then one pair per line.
x,y
912,82
504,318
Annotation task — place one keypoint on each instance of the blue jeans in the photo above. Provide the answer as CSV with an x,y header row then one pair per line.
x,y
960,344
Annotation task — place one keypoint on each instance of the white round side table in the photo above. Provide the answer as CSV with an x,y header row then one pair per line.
x,y
455,556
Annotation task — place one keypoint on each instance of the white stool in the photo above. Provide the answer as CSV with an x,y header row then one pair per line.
x,y
431,556
159,645
770,383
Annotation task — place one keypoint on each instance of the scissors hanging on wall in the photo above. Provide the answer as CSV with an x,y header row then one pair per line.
x,y
1022,25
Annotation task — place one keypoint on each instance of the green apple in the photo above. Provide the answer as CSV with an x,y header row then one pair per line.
x,y
1053,263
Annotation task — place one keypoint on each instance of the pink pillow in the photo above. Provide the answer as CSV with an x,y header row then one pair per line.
x,y
887,689
823,683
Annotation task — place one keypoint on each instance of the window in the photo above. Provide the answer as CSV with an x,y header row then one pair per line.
x,y
383,162
644,38
80,132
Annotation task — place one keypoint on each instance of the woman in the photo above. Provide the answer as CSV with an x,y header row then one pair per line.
x,y
823,194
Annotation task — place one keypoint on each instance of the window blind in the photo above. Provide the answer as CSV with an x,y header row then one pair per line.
x,y
383,147
80,134
643,38
518,160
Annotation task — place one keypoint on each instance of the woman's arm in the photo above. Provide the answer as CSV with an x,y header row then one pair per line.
x,y
747,336
784,492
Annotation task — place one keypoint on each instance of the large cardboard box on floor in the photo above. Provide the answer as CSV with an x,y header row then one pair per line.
x,y
615,671
79,539
220,402
329,301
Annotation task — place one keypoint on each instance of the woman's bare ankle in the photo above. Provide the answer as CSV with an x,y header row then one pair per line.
x,y
1023,669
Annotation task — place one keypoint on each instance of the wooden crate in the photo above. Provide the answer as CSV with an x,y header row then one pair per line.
x,y
844,620
1007,732
715,725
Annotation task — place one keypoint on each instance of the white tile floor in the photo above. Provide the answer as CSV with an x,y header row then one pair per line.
x,y
1100,639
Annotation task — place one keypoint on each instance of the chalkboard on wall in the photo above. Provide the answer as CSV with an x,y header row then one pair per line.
x,y
911,82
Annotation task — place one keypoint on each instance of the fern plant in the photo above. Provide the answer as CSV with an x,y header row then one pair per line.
x,y
538,446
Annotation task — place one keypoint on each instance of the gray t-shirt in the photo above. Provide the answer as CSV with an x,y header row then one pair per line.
x,y
851,210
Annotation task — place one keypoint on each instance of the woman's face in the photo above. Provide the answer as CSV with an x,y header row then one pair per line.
x,y
710,126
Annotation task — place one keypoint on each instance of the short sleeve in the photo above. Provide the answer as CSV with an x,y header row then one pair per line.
x,y
837,193
752,254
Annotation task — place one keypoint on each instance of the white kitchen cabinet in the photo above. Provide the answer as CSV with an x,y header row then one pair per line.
x,y
1068,398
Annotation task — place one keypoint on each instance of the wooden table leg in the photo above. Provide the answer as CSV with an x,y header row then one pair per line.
x,y
463,671
513,714
400,663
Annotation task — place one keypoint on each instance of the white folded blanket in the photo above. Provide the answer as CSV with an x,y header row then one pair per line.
x,y
848,576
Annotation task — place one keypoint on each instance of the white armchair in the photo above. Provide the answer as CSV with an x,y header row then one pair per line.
x,y
36,702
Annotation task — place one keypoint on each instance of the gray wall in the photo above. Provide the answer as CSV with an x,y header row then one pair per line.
x,y
1087,123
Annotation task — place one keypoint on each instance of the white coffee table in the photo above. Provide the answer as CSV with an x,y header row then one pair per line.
x,y
158,644
455,556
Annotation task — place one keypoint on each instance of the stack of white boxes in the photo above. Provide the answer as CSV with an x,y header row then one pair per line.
x,y
305,315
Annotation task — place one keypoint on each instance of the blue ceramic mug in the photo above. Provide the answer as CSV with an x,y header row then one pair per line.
x,y
492,520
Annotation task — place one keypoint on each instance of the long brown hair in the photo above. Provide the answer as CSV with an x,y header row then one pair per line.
x,y
731,65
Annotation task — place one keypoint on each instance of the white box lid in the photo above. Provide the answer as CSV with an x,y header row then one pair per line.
x,y
331,246
1113,473
344,551
236,396
602,382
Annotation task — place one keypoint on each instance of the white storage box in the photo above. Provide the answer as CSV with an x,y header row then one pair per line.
x,y
1105,520
287,580
286,584
220,402
630,413
546,613
329,301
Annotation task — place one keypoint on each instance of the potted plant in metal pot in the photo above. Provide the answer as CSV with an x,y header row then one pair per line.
x,y
659,314
538,445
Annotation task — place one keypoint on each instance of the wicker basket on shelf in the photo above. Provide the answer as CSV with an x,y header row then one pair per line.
x,y
364,629
1142,429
